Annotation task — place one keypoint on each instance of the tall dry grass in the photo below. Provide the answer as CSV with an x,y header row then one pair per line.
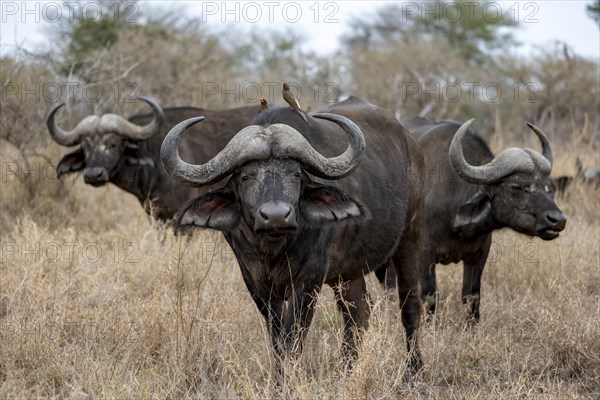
x,y
97,301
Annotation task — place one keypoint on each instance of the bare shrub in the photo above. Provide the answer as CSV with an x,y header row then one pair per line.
x,y
564,95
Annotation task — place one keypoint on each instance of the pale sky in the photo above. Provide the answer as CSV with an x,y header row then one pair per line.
x,y
542,22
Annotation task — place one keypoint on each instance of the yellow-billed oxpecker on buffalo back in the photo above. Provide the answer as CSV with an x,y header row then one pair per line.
x,y
291,99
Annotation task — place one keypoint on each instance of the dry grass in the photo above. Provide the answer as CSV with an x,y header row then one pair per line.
x,y
129,311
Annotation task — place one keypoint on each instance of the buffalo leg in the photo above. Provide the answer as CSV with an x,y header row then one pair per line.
x,y
272,311
381,273
429,293
386,275
352,301
273,314
298,316
473,269
270,308
407,263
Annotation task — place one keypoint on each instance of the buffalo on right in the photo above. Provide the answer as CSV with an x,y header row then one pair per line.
x,y
470,193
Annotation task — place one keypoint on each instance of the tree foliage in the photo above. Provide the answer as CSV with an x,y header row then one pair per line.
x,y
275,56
593,11
86,35
422,60
474,29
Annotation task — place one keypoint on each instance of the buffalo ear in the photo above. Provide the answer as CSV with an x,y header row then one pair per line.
x,y
136,156
216,210
322,203
72,162
473,213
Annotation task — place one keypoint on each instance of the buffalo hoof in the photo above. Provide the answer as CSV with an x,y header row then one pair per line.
x,y
414,367
471,303
429,302
472,320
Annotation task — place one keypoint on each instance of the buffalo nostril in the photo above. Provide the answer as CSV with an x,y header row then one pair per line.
x,y
276,215
264,216
95,175
556,220
275,211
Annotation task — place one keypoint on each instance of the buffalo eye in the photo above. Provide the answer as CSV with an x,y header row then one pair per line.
x,y
516,188
110,143
245,178
297,174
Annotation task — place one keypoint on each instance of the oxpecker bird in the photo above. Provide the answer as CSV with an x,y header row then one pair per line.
x,y
264,105
289,98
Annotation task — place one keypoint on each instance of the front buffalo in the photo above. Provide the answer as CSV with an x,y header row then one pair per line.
x,y
291,232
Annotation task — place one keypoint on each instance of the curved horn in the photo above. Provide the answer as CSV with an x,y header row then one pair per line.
x,y
70,138
327,168
546,149
248,144
260,143
117,124
506,163
468,172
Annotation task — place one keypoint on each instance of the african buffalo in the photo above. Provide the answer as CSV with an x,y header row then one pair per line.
x,y
291,232
588,175
126,152
469,193
560,184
